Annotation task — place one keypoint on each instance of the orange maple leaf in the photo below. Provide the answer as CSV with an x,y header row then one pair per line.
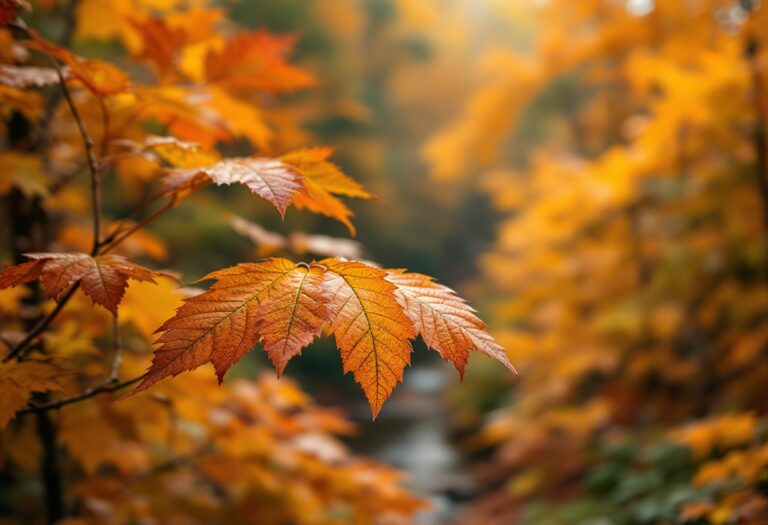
x,y
218,326
446,323
268,178
256,61
19,380
99,77
178,153
371,329
103,278
161,43
321,179
285,306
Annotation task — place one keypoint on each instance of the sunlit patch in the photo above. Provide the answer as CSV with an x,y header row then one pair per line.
x,y
640,7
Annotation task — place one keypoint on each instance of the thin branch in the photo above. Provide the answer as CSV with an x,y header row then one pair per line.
x,y
107,247
102,388
95,195
42,324
105,128
93,164
124,223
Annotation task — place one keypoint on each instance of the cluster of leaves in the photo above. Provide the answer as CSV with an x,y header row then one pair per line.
x,y
630,271
185,450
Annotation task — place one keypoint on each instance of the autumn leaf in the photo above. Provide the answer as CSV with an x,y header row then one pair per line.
x,y
285,306
315,199
221,324
267,242
180,110
102,278
256,61
28,76
270,179
179,153
313,163
371,330
99,77
160,43
9,9
292,314
445,321
19,380
12,99
300,243
322,179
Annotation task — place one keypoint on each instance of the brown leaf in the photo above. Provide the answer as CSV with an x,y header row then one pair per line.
x,y
286,305
19,380
270,179
447,324
220,325
102,278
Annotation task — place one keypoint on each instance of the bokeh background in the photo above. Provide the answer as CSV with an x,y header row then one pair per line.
x,y
593,177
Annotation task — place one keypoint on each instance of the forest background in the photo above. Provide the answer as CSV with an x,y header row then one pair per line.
x,y
592,176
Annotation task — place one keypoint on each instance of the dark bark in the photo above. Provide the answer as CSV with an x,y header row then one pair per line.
x,y
50,469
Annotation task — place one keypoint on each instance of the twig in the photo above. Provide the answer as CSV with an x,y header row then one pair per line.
x,y
105,128
93,164
42,324
102,388
107,247
135,213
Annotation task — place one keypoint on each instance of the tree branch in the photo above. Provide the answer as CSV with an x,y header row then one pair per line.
x,y
93,164
50,469
120,237
41,325
105,387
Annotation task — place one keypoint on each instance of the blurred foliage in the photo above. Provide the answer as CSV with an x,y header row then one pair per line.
x,y
625,145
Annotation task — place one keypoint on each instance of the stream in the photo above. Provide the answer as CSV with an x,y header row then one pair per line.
x,y
412,434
